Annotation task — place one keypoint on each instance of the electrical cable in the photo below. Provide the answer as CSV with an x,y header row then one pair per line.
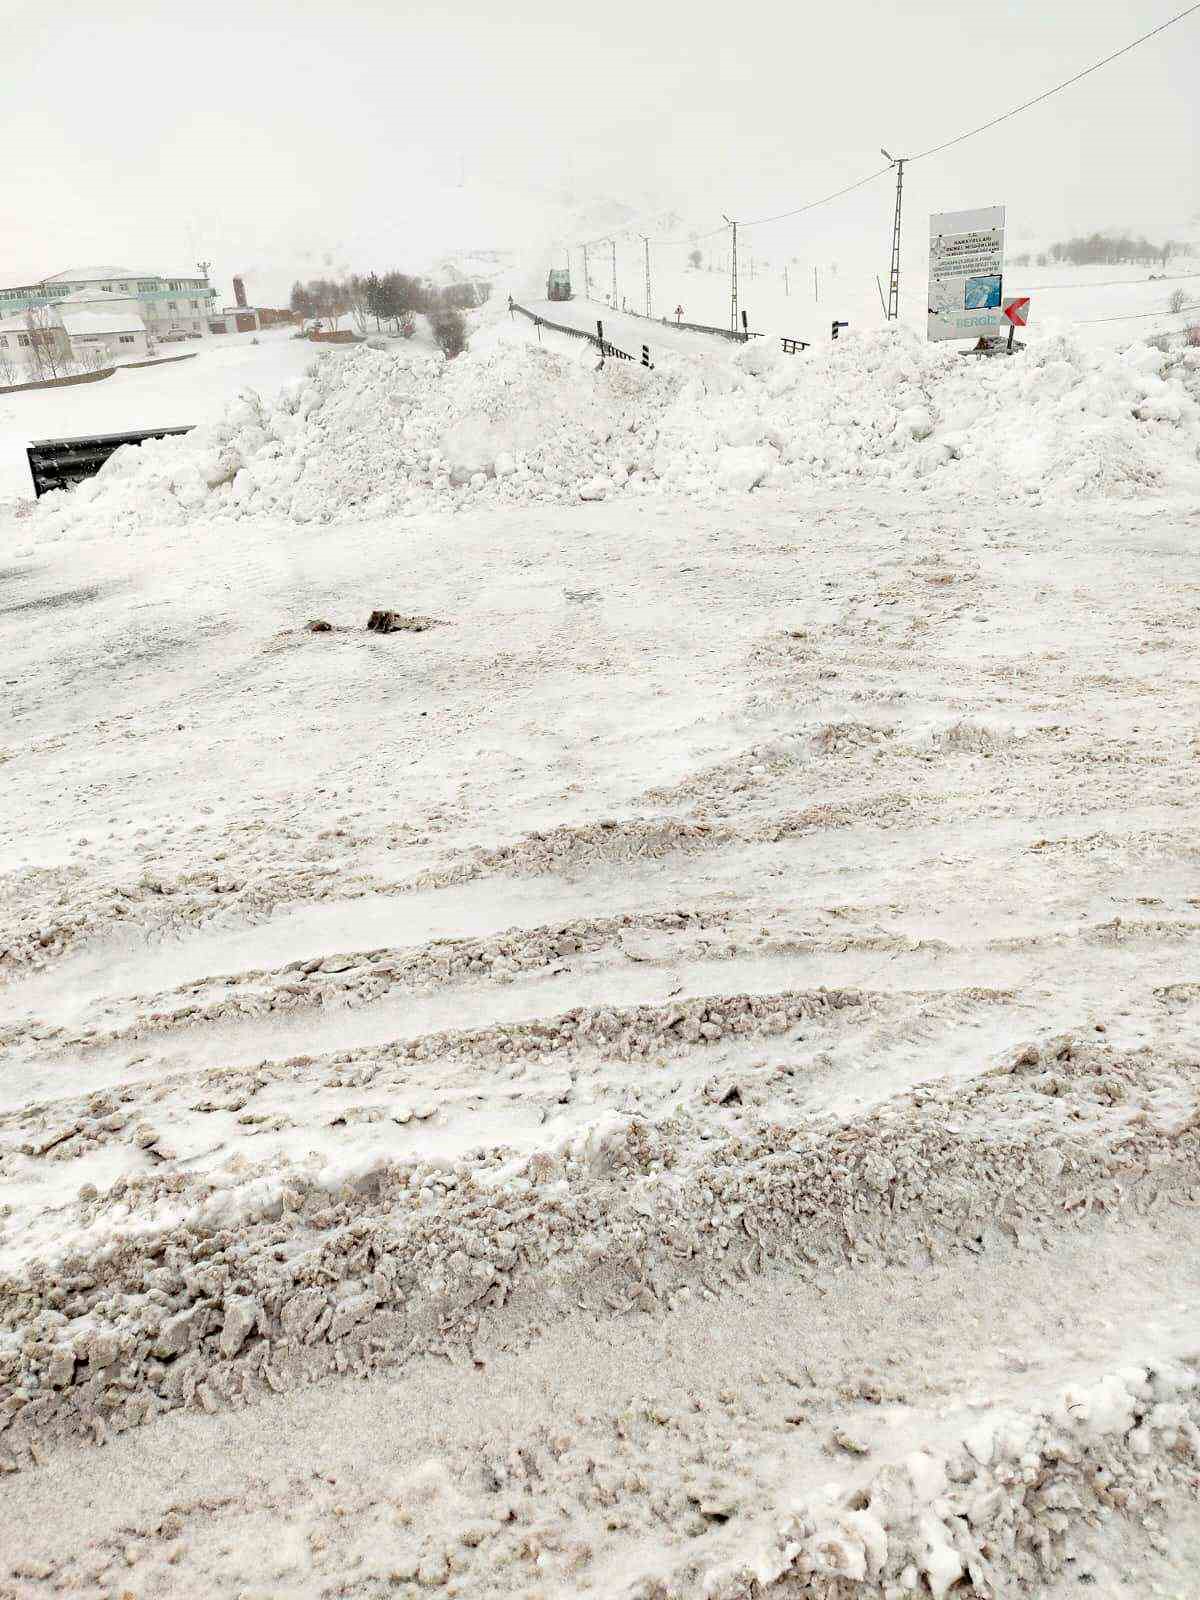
x,y
1058,87
936,149
1140,316
758,222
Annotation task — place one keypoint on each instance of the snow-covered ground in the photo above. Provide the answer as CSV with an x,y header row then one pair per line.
x,y
1103,305
675,1074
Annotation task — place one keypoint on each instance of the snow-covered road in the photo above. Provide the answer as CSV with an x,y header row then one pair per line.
x,y
716,1015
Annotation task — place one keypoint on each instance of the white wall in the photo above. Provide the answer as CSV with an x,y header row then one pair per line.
x,y
116,346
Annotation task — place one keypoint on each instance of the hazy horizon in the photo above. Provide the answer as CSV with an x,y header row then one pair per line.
x,y
288,142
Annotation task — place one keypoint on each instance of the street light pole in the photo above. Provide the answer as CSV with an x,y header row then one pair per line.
x,y
893,300
733,292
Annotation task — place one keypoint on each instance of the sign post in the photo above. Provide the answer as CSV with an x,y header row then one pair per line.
x,y
1017,313
966,273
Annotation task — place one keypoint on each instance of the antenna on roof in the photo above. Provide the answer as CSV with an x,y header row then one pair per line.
x,y
202,267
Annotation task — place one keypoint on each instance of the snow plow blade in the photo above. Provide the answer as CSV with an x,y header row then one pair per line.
x,y
62,463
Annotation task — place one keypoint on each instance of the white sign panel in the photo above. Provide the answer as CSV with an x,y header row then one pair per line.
x,y
966,274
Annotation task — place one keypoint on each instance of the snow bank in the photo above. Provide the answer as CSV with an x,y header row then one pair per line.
x,y
378,433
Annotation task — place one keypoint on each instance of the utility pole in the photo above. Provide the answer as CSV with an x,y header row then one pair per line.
x,y
786,290
893,305
646,243
587,282
816,286
614,291
733,298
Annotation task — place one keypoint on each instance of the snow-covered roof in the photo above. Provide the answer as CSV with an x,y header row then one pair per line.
x,y
94,274
15,324
85,322
8,281
93,297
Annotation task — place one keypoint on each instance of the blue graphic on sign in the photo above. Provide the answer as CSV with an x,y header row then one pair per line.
x,y
982,294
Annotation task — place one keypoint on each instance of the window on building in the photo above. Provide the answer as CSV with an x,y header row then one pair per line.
x,y
195,305
23,339
125,338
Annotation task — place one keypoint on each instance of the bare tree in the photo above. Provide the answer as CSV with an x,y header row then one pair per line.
x,y
10,371
695,258
46,354
358,293
1176,301
330,300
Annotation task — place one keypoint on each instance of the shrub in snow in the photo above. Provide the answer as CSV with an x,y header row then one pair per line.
x,y
450,331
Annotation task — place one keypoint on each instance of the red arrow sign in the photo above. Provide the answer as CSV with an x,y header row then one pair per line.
x,y
1017,311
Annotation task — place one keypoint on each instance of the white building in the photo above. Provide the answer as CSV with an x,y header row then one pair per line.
x,y
171,307
115,334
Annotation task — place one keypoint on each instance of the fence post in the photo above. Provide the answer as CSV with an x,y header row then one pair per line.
x,y
745,325
646,355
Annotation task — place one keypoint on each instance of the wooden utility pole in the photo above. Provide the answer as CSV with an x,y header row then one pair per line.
x,y
646,243
587,282
614,288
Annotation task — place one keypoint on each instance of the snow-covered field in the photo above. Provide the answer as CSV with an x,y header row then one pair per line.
x,y
676,1074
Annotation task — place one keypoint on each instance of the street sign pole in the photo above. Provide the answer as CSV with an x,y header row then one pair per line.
x,y
1016,311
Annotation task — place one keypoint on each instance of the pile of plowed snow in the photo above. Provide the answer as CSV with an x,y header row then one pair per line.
x,y
374,433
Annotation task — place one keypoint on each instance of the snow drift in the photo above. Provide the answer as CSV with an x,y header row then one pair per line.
x,y
383,433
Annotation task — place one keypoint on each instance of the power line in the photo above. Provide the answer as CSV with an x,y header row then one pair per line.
x,y
936,149
813,204
1058,87
1139,316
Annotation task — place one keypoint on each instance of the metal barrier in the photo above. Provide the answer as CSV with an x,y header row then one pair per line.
x,y
735,335
597,340
62,463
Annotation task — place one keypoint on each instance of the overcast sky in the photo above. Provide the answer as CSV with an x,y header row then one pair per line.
x,y
250,133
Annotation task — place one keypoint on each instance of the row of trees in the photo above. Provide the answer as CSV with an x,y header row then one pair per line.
x,y
1112,250
392,300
